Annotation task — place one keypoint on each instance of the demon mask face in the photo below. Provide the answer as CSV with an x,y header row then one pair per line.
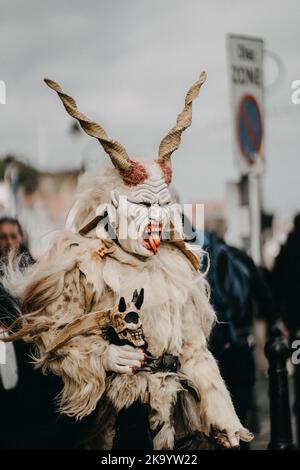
x,y
141,210
126,320
143,214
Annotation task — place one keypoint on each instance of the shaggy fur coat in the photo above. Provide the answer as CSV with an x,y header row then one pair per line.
x,y
74,279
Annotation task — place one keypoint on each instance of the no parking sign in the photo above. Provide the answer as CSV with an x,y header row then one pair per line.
x,y
249,128
246,78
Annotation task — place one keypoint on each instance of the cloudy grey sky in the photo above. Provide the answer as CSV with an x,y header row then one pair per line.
x,y
129,63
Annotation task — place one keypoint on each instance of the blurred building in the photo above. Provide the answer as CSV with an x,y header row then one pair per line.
x,y
40,200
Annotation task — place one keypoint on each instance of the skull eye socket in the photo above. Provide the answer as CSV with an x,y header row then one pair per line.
x,y
132,317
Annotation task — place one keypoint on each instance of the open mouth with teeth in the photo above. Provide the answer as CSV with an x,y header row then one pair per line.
x,y
135,337
152,236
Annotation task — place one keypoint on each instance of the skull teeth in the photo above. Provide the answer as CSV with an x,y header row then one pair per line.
x,y
137,335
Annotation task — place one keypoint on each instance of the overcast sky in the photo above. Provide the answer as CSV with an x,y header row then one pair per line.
x,y
129,63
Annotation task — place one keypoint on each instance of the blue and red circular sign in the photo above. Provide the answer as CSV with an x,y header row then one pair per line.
x,y
249,128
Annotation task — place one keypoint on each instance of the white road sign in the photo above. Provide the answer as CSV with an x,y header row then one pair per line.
x,y
246,81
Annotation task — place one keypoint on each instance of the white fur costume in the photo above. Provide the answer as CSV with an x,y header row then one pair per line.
x,y
88,272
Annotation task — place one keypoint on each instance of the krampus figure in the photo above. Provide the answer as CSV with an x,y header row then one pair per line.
x,y
123,234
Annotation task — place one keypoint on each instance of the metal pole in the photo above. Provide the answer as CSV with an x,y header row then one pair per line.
x,y
277,351
255,217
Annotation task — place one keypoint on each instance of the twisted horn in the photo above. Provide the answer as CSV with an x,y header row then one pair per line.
x,y
114,149
171,141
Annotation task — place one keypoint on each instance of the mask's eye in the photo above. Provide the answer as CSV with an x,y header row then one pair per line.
x,y
132,317
147,204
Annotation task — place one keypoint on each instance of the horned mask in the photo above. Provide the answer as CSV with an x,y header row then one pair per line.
x,y
141,205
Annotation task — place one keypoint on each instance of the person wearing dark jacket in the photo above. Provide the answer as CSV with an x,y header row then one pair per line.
x,y
28,416
238,293
27,397
285,279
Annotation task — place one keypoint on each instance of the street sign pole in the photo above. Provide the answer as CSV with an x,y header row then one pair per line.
x,y
255,216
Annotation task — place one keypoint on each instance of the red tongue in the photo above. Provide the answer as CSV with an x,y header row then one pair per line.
x,y
153,241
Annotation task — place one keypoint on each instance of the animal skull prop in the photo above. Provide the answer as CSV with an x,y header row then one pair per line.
x,y
148,214
126,321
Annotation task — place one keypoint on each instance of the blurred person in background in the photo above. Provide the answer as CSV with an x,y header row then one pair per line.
x,y
238,294
285,280
28,416
12,241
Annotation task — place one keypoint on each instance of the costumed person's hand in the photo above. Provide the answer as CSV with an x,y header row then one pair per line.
x,y
122,359
231,437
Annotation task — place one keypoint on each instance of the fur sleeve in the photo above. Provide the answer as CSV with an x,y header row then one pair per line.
x,y
199,365
78,362
60,288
